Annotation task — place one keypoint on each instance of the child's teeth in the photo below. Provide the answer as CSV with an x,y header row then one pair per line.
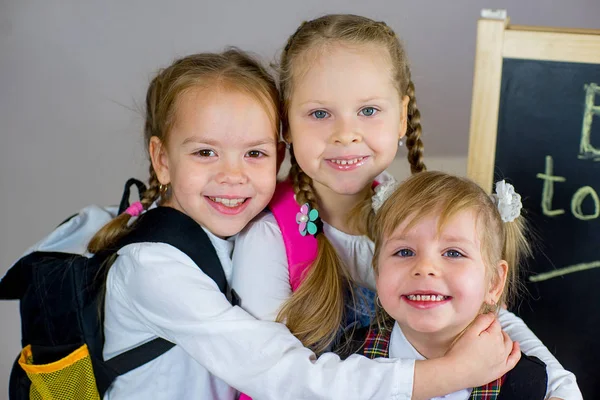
x,y
348,162
426,297
227,202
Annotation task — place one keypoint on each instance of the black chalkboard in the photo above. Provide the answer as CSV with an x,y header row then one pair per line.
x,y
548,146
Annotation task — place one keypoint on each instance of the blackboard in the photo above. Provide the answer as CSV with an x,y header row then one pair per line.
x,y
544,137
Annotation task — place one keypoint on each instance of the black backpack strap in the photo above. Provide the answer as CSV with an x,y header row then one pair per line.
x,y
139,356
127,191
170,226
527,380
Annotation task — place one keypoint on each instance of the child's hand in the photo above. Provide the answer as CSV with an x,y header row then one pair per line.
x,y
483,353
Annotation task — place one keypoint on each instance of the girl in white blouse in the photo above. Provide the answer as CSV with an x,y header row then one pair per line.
x,y
211,130
348,102
445,252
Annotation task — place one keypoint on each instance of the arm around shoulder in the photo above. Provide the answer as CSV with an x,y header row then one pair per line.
x,y
260,268
174,299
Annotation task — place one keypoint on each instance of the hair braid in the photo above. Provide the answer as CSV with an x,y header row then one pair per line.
x,y
153,192
413,133
323,288
302,183
315,317
110,233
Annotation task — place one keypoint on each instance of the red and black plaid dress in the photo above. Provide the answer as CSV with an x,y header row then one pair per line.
x,y
528,380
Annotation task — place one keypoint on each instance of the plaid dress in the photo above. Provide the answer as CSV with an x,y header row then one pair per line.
x,y
377,345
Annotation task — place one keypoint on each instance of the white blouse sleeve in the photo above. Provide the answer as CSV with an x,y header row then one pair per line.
x,y
260,273
175,300
561,383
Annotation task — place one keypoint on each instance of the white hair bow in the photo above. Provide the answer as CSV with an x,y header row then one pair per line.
x,y
383,191
507,200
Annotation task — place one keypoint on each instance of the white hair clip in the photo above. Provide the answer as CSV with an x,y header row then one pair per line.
x,y
383,191
507,200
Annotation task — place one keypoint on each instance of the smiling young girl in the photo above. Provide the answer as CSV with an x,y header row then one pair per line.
x,y
348,103
446,252
211,132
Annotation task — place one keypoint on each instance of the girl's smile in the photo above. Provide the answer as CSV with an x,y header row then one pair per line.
x,y
347,163
433,279
426,299
220,159
346,117
229,205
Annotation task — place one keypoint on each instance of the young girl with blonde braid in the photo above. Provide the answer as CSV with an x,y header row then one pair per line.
x,y
348,102
211,132
445,252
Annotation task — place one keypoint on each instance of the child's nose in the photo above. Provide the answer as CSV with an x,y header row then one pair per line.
x,y
232,173
424,266
346,132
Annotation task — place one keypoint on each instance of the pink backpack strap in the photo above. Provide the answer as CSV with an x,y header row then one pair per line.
x,y
301,250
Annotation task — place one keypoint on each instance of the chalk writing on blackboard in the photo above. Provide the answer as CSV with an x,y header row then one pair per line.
x,y
586,152
564,271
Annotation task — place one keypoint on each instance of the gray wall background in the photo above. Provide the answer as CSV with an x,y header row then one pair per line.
x,y
73,76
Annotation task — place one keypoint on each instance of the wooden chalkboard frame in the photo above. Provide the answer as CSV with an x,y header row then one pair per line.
x,y
496,40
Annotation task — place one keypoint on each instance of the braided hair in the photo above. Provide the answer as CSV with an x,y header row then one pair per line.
x,y
315,311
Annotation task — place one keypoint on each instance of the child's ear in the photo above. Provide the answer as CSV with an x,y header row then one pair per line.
x,y
404,117
280,154
160,161
497,283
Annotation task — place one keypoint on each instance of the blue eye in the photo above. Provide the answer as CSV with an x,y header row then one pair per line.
x,y
405,253
320,114
205,153
453,254
368,111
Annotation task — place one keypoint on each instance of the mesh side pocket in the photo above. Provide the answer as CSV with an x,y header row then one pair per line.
x,y
71,377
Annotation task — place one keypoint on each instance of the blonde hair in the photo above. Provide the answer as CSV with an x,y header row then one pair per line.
x,y
433,192
231,70
315,311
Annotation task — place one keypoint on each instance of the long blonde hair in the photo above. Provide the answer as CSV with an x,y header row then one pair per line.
x,y
315,311
232,69
432,192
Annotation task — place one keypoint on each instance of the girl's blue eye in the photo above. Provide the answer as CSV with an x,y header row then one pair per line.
x,y
453,254
255,154
206,153
405,253
368,111
320,114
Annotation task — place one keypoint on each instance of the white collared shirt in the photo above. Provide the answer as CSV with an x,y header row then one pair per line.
x,y
153,290
400,347
261,279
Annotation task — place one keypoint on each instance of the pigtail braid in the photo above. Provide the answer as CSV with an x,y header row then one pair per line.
x,y
110,233
153,192
302,183
315,311
413,133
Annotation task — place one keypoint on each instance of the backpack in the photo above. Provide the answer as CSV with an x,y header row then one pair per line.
x,y
301,251
527,380
62,308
